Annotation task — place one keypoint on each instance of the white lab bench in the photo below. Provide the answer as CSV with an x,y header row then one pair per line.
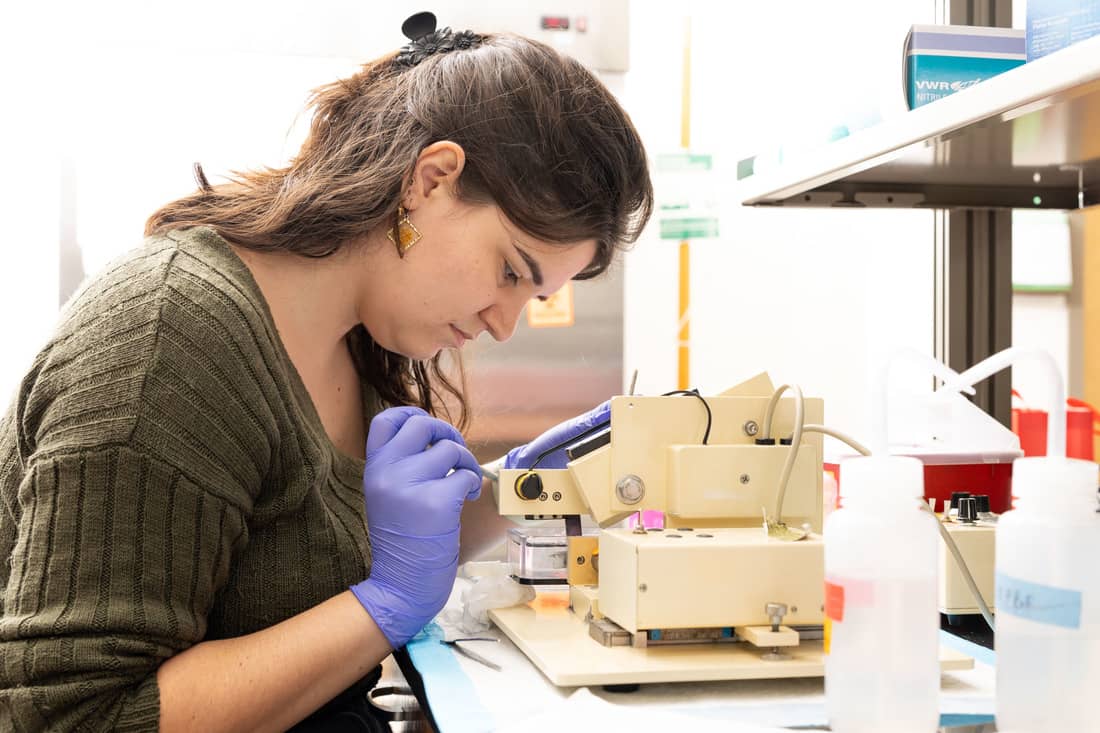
x,y
462,696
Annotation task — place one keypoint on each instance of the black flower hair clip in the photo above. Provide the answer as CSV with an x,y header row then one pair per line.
x,y
425,40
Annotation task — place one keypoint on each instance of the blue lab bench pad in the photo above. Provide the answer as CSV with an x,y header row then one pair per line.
x,y
450,694
960,720
969,648
948,722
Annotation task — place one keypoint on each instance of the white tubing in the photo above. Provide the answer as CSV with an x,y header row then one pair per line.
x,y
770,411
792,454
842,437
961,563
879,398
1056,395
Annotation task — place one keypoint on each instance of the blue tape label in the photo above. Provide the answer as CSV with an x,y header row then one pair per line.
x,y
1043,604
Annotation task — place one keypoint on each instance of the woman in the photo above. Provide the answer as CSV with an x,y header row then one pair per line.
x,y
185,502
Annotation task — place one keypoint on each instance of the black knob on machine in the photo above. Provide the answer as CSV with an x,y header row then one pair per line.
x,y
968,509
529,486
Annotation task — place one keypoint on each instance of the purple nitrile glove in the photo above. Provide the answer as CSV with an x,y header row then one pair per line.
x,y
524,455
418,476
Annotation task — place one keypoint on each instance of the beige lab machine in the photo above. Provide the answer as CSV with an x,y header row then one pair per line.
x,y
732,587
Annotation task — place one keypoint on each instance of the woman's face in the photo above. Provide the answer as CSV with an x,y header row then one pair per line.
x,y
472,271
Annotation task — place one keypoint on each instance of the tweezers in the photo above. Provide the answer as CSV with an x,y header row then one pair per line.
x,y
470,653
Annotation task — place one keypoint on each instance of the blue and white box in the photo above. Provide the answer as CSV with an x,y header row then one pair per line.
x,y
1055,24
943,59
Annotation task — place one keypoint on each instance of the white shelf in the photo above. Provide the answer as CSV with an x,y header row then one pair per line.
x,y
1004,143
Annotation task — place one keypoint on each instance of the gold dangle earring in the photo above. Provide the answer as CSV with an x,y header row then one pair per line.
x,y
404,235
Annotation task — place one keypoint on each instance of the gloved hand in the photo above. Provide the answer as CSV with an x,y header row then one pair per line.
x,y
525,455
414,501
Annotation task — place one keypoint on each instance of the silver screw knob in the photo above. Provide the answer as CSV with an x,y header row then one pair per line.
x,y
775,613
630,489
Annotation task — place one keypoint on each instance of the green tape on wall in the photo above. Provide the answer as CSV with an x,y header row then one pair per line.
x,y
701,227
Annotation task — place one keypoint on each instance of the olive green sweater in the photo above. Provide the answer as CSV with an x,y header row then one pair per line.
x,y
164,479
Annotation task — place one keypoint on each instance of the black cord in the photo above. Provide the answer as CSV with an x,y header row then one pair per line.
x,y
694,393
594,429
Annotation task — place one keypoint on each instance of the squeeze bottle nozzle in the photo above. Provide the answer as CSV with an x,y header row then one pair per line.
x,y
1056,395
881,444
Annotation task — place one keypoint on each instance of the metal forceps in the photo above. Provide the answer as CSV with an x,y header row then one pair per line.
x,y
470,653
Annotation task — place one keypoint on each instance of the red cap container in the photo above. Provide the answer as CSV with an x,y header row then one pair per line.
x,y
1031,426
946,473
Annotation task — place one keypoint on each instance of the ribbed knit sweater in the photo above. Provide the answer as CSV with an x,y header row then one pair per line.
x,y
164,480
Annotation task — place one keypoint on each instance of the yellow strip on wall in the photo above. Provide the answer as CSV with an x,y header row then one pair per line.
x,y
684,332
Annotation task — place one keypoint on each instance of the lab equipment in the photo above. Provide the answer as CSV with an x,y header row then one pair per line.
x,y
959,444
975,542
537,555
881,626
983,472
734,581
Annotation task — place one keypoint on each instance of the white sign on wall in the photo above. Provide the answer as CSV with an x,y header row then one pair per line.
x,y
1041,261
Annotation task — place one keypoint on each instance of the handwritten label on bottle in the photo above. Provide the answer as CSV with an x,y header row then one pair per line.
x,y
1043,604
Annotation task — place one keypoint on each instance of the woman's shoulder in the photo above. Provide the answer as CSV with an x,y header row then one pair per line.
x,y
181,309
187,283
168,341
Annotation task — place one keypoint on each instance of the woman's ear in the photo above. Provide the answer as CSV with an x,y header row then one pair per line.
x,y
436,173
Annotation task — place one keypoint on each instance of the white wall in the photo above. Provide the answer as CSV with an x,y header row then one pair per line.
x,y
1042,259
29,198
161,112
124,95
813,296
128,94
28,265
1040,321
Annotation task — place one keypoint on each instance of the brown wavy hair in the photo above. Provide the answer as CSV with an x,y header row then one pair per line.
x,y
544,140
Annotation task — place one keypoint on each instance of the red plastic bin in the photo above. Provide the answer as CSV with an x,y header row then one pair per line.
x,y
944,474
1031,426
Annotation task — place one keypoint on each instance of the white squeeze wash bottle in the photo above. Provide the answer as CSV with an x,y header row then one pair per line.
x,y
882,668
1048,598
1048,577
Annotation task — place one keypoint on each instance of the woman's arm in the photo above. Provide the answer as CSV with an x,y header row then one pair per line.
x,y
271,679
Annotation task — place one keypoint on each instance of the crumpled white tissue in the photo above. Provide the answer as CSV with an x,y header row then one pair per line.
x,y
491,588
